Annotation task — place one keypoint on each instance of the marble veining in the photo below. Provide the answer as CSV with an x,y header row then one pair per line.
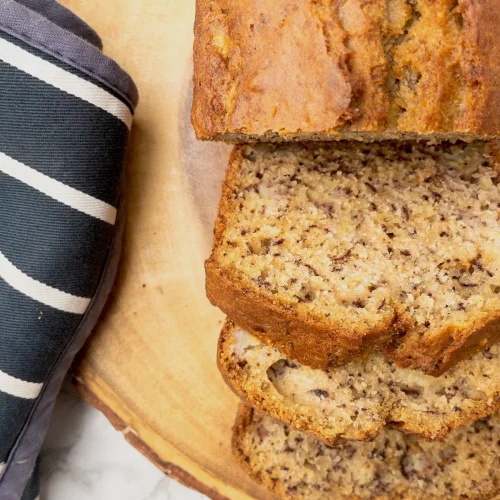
x,y
85,458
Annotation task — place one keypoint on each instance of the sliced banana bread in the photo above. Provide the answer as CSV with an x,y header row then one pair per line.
x,y
356,401
330,251
393,467
323,69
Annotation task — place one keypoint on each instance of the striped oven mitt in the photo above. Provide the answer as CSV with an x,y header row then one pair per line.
x,y
65,117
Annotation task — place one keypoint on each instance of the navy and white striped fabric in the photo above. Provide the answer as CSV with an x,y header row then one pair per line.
x,y
63,143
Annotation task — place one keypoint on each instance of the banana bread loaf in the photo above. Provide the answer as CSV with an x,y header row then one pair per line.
x,y
393,467
356,401
321,69
331,251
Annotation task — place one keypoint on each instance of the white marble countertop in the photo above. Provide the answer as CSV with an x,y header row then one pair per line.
x,y
85,458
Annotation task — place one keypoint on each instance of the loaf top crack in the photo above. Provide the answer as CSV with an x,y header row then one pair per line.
x,y
273,70
393,467
329,252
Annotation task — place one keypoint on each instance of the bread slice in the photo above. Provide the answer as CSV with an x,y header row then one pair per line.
x,y
331,251
306,70
356,401
393,467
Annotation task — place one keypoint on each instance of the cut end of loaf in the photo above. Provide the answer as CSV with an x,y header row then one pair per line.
x,y
363,70
241,137
356,401
402,238
293,465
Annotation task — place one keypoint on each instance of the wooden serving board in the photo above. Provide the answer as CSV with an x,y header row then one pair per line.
x,y
150,366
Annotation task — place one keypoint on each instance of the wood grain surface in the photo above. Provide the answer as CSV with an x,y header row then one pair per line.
x,y
150,365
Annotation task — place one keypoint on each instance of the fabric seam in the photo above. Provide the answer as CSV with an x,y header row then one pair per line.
x,y
76,18
88,71
96,298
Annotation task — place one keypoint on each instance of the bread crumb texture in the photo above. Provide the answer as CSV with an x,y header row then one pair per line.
x,y
357,401
308,69
393,467
393,245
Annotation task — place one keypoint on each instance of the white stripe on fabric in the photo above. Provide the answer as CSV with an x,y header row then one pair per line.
x,y
39,291
57,190
18,388
2,467
63,80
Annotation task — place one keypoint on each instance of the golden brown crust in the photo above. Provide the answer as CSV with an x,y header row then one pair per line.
x,y
320,342
447,348
296,69
209,77
244,418
236,87
262,396
276,323
250,427
301,336
481,63
243,422
255,397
